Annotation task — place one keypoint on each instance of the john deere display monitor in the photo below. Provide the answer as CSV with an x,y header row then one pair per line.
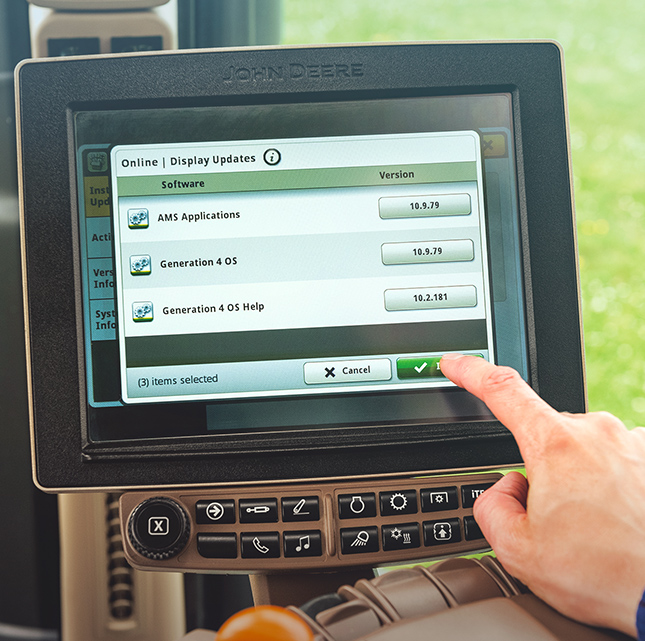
x,y
243,266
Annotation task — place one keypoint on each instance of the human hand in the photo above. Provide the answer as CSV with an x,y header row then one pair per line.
x,y
574,533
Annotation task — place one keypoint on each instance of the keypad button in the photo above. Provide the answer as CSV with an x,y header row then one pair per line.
x,y
159,528
300,508
441,532
400,536
471,529
217,546
357,540
356,506
303,543
258,510
216,511
260,545
470,492
438,499
400,502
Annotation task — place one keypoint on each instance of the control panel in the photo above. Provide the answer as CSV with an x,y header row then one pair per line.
x,y
304,526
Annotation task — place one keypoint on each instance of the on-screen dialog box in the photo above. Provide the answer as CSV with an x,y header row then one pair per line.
x,y
298,266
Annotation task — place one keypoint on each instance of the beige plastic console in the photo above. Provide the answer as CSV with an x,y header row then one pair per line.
x,y
93,573
101,26
456,600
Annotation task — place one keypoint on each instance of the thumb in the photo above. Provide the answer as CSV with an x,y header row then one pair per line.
x,y
500,512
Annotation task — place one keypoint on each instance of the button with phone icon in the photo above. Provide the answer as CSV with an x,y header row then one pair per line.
x,y
260,545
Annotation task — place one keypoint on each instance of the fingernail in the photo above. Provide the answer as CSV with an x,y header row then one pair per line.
x,y
453,356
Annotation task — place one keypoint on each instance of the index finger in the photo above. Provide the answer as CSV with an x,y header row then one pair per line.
x,y
505,393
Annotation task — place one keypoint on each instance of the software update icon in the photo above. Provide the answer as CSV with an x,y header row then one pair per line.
x,y
138,218
142,311
140,265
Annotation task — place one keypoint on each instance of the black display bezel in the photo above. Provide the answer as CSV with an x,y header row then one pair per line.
x,y
50,91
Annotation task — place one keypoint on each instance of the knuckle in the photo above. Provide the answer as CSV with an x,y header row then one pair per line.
x,y
562,441
606,417
513,550
501,379
638,439
607,423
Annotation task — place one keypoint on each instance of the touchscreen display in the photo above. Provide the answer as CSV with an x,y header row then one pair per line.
x,y
296,265
282,267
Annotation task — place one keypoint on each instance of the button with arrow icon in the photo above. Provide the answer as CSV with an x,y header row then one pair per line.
x,y
441,532
215,511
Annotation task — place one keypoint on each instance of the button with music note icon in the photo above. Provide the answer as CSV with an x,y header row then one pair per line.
x,y
307,543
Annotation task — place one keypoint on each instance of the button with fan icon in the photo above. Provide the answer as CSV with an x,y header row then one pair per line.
x,y
401,536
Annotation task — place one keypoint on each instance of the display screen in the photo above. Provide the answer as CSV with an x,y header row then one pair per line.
x,y
281,266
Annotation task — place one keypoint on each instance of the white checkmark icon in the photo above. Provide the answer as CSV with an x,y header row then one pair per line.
x,y
420,369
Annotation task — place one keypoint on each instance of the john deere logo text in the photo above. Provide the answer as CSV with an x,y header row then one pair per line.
x,y
294,71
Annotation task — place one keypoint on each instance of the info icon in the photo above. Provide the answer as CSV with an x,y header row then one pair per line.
x,y
140,265
142,311
272,157
138,218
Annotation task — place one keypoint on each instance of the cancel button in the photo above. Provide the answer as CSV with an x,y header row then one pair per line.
x,y
360,371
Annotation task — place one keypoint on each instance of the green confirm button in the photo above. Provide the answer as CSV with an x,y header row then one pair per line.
x,y
418,368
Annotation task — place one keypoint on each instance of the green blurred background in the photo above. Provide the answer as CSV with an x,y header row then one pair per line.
x,y
604,45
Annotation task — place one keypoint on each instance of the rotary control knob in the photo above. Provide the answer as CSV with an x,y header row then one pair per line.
x,y
265,623
159,528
